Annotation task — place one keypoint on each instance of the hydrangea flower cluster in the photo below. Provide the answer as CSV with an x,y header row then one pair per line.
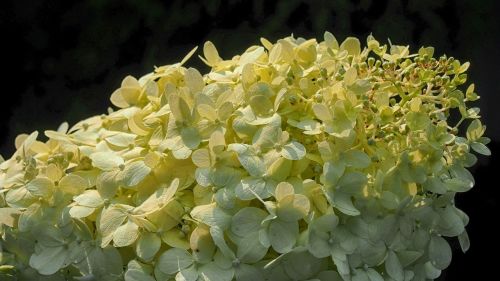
x,y
296,160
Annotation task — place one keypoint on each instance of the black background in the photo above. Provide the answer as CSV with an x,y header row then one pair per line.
x,y
62,60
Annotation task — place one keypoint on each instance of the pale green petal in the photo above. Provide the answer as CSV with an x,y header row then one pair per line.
x,y
318,244
7,216
106,161
30,217
158,199
219,240
179,108
134,173
461,181
246,272
207,111
264,237
90,198
147,246
310,127
434,184
251,56
111,219
283,189
174,260
107,184
322,112
333,171
340,261
480,148
226,198
190,137
202,245
408,257
73,184
202,158
373,275
42,187
249,159
351,45
225,176
126,234
293,151
211,55
121,139
80,211
48,260
175,238
225,110
360,275
261,105
194,80
283,235
247,220
357,159
211,215
104,264
458,185
393,267
267,137
29,140
330,275
450,223
352,182
417,120
326,223
222,261
331,42
50,236
281,52
188,274
389,200
250,250
293,208
138,272
343,202
431,271
249,188
464,241
300,264
202,176
211,272
439,252
182,152
475,130
280,169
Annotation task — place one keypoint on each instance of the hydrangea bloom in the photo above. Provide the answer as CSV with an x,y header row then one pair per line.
x,y
296,160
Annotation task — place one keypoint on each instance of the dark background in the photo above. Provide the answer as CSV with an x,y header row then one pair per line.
x,y
63,59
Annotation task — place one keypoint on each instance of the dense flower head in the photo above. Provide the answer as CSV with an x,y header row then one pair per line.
x,y
296,160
